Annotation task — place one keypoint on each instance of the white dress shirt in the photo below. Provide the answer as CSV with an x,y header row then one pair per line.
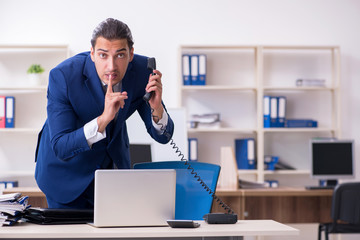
x,y
91,128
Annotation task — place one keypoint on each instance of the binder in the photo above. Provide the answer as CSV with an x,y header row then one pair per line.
x,y
273,112
10,112
193,149
281,111
2,111
266,111
301,123
245,153
194,69
46,216
186,69
202,70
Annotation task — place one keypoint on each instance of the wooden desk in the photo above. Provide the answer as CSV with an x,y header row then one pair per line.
x,y
242,228
286,205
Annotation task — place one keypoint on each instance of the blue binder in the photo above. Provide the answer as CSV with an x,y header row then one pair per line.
x,y
193,149
10,112
281,111
186,69
194,69
202,70
266,111
273,112
245,153
301,123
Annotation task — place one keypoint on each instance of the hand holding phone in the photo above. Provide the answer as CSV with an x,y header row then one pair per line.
x,y
151,64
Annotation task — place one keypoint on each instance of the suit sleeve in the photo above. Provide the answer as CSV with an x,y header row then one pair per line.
x,y
165,137
66,134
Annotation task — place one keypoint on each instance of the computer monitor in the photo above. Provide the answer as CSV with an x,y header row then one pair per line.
x,y
140,153
332,159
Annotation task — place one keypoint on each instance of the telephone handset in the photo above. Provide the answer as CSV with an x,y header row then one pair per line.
x,y
151,64
222,218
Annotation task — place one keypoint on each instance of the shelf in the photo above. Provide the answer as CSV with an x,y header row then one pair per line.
x,y
10,174
217,88
24,88
35,48
20,130
297,130
300,88
221,130
287,172
238,78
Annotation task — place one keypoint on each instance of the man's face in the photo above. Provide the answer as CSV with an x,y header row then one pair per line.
x,y
111,57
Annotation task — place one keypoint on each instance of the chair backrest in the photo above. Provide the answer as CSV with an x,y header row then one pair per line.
x,y
192,200
346,203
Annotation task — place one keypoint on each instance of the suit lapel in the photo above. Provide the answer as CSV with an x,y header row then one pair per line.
x,y
93,84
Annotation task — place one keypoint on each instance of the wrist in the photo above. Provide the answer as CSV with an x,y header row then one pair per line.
x,y
157,114
102,123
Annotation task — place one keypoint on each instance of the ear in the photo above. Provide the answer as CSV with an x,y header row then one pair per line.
x,y
131,54
92,54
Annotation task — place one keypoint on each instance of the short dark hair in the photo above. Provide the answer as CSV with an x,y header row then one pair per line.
x,y
112,29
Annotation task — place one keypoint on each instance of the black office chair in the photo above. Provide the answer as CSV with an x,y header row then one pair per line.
x,y
345,210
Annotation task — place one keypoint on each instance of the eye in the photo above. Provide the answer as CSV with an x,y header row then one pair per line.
x,y
102,55
121,55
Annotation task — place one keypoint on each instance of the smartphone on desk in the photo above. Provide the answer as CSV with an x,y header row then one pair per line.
x,y
183,224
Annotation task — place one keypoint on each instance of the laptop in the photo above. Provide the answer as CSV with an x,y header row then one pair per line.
x,y
141,197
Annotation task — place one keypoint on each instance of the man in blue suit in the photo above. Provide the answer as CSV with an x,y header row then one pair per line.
x,y
90,96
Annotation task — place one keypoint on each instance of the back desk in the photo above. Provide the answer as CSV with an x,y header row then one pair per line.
x,y
285,205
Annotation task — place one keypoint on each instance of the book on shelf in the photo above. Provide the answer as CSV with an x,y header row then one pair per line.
x,y
186,69
274,111
193,149
281,109
266,111
300,123
2,111
7,111
194,69
310,82
245,153
245,184
209,120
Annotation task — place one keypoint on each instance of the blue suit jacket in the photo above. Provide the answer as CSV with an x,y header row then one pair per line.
x,y
65,163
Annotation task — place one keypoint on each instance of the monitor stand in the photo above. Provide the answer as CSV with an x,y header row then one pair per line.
x,y
324,184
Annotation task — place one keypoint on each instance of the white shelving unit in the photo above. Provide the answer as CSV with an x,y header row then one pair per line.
x,y
17,145
238,77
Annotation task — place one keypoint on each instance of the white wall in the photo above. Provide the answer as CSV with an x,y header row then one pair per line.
x,y
160,26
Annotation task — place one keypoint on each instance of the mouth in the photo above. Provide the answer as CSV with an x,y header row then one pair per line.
x,y
111,76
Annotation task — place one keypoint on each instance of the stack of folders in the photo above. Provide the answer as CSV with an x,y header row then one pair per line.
x,y
310,82
194,69
245,184
245,153
193,149
210,120
275,115
274,111
7,111
12,208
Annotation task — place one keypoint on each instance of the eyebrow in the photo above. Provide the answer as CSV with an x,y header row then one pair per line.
x,y
119,50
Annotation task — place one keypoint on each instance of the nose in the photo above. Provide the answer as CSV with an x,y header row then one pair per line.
x,y
111,64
